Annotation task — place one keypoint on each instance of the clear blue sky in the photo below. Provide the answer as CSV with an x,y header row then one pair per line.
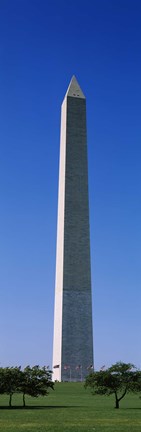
x,y
42,44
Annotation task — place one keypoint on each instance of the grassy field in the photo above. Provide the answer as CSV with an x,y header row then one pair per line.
x,y
70,408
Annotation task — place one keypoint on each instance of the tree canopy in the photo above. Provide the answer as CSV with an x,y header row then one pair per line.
x,y
33,381
119,379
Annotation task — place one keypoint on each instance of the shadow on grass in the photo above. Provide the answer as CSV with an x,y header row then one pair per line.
x,y
135,408
36,407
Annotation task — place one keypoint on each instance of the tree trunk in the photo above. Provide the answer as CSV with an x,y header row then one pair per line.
x,y
117,401
10,400
23,399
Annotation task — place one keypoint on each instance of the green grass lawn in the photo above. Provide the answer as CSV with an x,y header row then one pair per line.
x,y
71,408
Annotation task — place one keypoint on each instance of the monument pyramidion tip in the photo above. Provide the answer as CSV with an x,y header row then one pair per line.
x,y
74,89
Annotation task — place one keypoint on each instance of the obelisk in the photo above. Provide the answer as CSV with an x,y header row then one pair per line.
x,y
73,339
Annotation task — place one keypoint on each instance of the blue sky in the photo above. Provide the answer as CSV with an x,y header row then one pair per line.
x,y
42,44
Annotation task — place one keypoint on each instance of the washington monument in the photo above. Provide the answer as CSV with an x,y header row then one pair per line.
x,y
73,339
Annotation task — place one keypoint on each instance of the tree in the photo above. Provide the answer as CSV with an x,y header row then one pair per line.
x,y
119,379
31,381
2,387
10,381
35,382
